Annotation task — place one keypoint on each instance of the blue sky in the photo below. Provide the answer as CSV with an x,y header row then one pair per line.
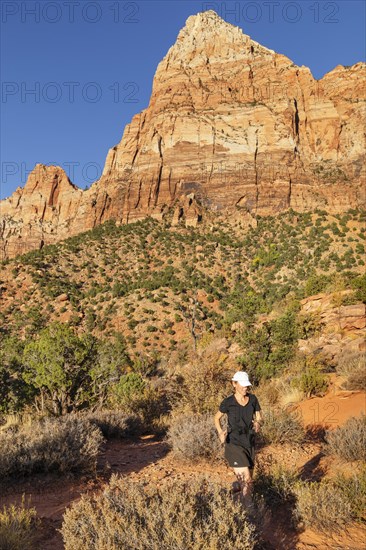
x,y
91,64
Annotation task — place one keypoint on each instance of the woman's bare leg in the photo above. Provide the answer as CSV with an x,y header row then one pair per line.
x,y
244,477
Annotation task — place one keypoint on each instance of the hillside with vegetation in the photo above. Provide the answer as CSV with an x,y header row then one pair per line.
x,y
135,329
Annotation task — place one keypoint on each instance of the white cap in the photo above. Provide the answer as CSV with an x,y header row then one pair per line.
x,y
242,378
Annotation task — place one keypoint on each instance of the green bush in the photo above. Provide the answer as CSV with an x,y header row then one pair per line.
x,y
192,515
268,349
57,363
359,284
129,386
15,393
309,324
316,284
311,381
132,324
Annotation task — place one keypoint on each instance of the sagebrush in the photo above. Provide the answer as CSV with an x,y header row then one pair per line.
x,y
348,442
115,424
353,367
62,444
281,426
276,486
196,515
321,506
194,437
354,488
204,385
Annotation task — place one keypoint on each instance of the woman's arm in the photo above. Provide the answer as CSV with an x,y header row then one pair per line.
x,y
222,433
258,420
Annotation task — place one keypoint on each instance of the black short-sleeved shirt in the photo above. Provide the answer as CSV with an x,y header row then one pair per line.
x,y
240,419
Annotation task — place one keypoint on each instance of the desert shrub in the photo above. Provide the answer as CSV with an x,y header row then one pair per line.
x,y
112,360
63,445
268,349
148,406
115,424
359,284
178,515
275,487
194,437
146,364
354,488
57,363
17,525
288,394
268,393
309,324
15,393
348,442
204,385
352,367
321,506
280,426
316,283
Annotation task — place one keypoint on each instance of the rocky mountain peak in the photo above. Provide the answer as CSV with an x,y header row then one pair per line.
x,y
50,180
45,184
207,38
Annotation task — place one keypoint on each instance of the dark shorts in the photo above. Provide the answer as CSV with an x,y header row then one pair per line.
x,y
239,457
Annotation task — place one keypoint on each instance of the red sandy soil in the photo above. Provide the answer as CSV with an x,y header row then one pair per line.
x,y
150,460
335,408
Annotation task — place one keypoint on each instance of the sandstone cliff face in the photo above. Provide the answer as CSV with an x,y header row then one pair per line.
x,y
229,121
47,209
38,212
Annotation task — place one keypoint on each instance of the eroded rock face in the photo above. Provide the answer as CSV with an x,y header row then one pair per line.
x,y
231,122
343,327
39,212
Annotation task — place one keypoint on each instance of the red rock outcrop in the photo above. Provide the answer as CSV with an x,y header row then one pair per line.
x,y
231,122
343,327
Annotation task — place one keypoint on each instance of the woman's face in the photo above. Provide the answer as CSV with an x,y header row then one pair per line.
x,y
241,390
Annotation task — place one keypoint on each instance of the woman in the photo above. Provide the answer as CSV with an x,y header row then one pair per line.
x,y
244,421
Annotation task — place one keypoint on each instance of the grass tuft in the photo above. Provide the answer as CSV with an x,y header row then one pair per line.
x,y
17,527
